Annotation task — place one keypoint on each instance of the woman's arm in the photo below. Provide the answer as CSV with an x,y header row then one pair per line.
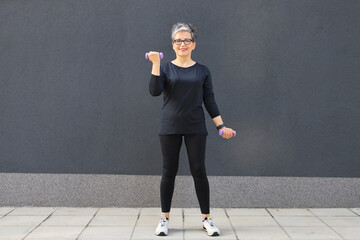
x,y
212,108
157,80
156,69
218,121
209,98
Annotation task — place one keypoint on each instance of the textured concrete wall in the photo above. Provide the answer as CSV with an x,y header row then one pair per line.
x,y
85,190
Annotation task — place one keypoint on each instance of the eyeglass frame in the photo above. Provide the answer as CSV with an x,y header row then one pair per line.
x,y
183,41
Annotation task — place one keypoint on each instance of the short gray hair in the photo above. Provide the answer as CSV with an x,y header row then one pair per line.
x,y
181,27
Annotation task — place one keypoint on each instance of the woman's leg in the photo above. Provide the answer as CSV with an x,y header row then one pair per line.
x,y
170,148
195,146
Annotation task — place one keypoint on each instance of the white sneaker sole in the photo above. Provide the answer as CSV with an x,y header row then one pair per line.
x,y
161,234
211,234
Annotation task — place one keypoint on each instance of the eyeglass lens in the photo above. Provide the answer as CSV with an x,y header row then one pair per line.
x,y
179,41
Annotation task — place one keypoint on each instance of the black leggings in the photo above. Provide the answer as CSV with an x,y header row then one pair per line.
x,y
170,148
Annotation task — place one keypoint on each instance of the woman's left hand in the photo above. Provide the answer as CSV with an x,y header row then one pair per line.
x,y
228,132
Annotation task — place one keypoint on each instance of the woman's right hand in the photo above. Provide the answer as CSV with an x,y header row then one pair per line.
x,y
228,132
154,57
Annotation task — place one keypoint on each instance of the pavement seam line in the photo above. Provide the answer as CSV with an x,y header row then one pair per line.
x,y
354,212
183,222
278,224
8,213
326,224
237,238
87,224
131,235
38,224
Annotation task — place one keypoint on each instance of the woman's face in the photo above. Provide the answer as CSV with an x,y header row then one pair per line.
x,y
183,49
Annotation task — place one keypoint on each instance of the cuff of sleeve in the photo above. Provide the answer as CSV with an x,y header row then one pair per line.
x,y
216,115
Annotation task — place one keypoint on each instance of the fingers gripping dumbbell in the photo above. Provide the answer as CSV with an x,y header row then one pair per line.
x,y
160,54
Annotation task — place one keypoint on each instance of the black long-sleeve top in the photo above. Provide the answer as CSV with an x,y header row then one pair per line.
x,y
184,90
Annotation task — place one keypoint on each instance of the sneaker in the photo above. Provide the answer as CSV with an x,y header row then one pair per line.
x,y
210,228
162,227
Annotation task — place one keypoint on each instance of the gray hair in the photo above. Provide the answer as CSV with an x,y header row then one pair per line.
x,y
181,27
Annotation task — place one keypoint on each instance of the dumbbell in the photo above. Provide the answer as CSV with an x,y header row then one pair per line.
x,y
160,54
222,131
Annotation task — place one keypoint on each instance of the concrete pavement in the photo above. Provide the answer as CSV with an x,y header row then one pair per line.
x,y
60,223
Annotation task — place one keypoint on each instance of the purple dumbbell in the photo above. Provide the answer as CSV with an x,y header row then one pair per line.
x,y
160,54
222,131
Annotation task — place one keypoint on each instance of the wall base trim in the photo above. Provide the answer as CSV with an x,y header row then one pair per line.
x,y
102,190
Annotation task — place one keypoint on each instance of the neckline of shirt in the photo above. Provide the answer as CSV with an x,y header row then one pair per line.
x,y
183,67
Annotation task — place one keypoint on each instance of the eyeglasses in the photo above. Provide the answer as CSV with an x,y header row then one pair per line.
x,y
187,41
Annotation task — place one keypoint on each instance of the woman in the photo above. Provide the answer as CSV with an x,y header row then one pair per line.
x,y
185,85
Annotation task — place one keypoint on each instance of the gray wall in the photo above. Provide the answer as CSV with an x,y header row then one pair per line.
x,y
108,190
74,85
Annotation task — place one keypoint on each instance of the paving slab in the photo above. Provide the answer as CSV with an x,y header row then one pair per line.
x,y
12,232
106,233
192,211
5,210
118,211
299,221
262,233
332,212
55,232
348,233
66,211
150,221
342,221
32,211
22,220
253,221
247,211
290,212
45,223
113,221
312,233
356,210
67,221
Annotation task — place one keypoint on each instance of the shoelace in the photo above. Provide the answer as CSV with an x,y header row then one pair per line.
x,y
163,220
209,220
